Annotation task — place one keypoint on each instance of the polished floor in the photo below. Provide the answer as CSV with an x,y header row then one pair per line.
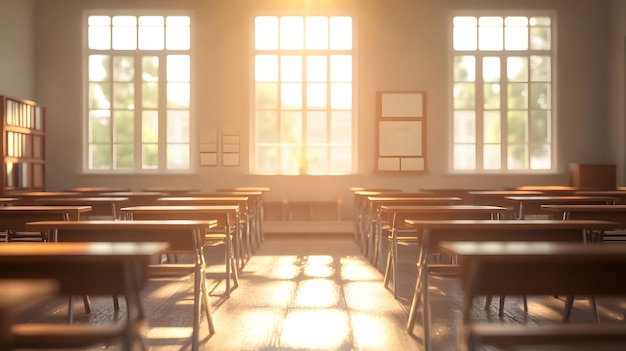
x,y
312,293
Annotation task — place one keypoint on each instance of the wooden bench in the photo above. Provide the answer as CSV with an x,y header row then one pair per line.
x,y
538,268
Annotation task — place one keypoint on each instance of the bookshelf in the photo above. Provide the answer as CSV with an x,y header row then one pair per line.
x,y
23,146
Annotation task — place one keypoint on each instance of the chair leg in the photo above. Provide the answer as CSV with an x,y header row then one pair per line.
x,y
567,309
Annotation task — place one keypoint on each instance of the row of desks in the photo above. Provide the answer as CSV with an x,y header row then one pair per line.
x,y
62,225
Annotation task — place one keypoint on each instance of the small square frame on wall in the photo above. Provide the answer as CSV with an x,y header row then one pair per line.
x,y
401,138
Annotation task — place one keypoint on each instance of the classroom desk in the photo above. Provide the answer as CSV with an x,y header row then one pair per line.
x,y
531,205
498,198
400,231
620,194
136,198
538,268
101,206
373,219
82,269
244,227
16,296
434,232
227,217
13,218
180,235
5,201
94,190
28,198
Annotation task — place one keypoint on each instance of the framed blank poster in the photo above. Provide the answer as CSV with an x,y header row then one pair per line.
x,y
401,131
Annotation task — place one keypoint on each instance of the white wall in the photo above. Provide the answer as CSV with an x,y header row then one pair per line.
x,y
401,45
17,67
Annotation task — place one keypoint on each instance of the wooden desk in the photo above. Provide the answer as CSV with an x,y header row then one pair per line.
x,y
28,198
498,198
101,206
16,296
400,231
227,217
527,205
13,219
180,235
82,269
243,245
538,268
94,190
136,198
373,219
620,194
435,232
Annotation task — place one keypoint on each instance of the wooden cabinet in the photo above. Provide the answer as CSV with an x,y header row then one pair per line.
x,y
23,146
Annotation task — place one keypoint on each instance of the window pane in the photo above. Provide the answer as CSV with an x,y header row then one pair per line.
x,y
178,95
464,127
540,38
291,160
340,68
150,127
518,96
266,68
99,68
124,33
517,69
291,95
491,96
464,69
341,159
540,157
539,127
317,32
291,127
316,95
178,126
124,94
316,128
123,122
464,157
491,69
99,95
316,69
540,68
291,68
100,156
464,96
100,126
177,32
150,95
150,156
516,157
267,159
490,36
291,32
178,156
267,127
341,96
540,96
123,156
491,157
99,32
516,127
341,127
516,33
151,34
492,127
317,160
341,33
178,68
465,33
266,95
265,33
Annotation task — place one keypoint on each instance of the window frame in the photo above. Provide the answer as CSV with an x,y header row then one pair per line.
x,y
502,54
162,109
252,169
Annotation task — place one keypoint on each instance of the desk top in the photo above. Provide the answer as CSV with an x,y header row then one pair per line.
x,y
584,208
514,224
82,200
112,224
134,193
383,199
505,192
191,199
183,209
554,250
44,209
97,189
563,199
443,208
64,252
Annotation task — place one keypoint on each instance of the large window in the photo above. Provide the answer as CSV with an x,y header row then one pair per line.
x,y
138,100
502,93
303,108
